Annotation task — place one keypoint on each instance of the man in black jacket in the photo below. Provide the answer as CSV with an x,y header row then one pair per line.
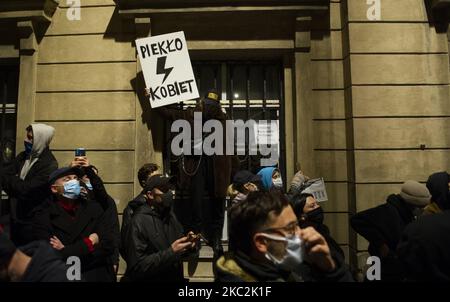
x,y
76,227
266,244
144,173
25,180
154,243
92,188
204,174
383,225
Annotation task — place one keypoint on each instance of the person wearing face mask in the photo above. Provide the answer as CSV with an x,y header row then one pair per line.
x,y
75,226
244,182
203,174
155,244
267,244
92,188
144,173
25,180
383,225
270,178
310,214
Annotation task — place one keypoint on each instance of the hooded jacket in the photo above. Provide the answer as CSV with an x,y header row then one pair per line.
x,y
266,177
25,180
147,245
131,208
42,136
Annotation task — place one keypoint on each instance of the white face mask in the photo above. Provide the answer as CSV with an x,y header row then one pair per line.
x,y
277,182
294,252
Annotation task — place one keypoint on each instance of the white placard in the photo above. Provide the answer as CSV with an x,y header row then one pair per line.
x,y
167,69
317,189
267,132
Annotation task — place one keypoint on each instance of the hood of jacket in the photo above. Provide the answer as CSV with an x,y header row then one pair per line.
x,y
137,202
266,177
42,137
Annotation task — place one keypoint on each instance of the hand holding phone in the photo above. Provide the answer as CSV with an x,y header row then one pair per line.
x,y
80,158
80,152
192,237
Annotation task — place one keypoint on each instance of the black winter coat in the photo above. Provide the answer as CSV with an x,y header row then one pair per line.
x,y
424,249
238,267
26,195
132,206
384,224
108,204
335,248
148,248
53,220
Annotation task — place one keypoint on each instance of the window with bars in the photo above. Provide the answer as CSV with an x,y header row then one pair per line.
x,y
247,90
9,84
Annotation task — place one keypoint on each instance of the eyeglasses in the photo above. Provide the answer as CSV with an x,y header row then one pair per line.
x,y
289,229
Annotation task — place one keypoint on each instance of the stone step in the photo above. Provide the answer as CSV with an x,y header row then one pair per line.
x,y
206,251
198,279
205,265
204,270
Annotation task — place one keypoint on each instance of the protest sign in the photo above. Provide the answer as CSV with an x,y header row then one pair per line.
x,y
167,69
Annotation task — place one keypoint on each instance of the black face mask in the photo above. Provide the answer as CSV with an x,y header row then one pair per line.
x,y
167,200
315,216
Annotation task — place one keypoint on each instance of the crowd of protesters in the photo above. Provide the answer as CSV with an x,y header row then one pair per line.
x,y
274,235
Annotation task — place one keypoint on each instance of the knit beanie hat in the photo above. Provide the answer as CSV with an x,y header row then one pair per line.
x,y
415,193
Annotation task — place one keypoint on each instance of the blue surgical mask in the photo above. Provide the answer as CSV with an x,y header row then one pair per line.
x,y
294,252
72,189
88,185
28,147
277,182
